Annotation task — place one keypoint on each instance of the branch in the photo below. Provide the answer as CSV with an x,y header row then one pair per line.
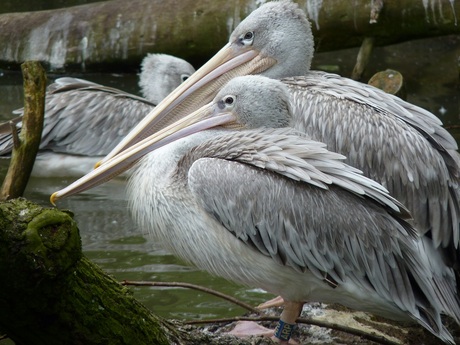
x,y
26,147
195,287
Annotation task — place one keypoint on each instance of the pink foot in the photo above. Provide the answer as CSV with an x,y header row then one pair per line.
x,y
250,328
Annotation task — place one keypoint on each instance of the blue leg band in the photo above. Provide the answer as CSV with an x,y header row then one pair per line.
x,y
283,330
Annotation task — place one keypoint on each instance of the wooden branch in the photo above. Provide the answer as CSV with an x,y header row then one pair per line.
x,y
26,147
363,58
194,287
99,36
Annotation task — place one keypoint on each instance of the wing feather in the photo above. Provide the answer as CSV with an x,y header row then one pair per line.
x,y
347,230
394,142
85,118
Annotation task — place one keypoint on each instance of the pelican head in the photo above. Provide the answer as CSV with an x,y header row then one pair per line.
x,y
246,102
275,40
160,74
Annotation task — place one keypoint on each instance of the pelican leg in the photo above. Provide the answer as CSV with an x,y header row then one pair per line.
x,y
287,321
278,301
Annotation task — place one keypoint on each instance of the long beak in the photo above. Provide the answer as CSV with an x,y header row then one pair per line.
x,y
199,120
196,91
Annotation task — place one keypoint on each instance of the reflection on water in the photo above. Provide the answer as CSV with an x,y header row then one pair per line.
x,y
111,240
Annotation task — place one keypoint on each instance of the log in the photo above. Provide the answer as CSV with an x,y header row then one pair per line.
x,y
49,289
27,143
116,35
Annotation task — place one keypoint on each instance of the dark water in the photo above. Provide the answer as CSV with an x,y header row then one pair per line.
x,y
110,239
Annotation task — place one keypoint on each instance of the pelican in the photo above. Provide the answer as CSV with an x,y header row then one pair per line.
x,y
85,120
233,189
400,145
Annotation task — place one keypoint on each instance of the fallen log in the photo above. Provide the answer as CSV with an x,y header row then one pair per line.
x,y
100,36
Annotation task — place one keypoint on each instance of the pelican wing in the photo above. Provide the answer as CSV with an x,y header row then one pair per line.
x,y
330,223
84,118
398,144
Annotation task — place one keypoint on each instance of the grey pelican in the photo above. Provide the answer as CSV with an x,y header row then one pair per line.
x,y
84,120
270,208
398,144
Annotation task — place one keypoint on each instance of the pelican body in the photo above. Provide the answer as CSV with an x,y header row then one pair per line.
x,y
257,202
84,121
395,143
400,145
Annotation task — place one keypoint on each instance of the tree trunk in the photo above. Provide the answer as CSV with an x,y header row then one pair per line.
x,y
102,35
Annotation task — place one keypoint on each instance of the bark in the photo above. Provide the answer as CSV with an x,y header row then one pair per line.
x,y
102,35
27,144
57,295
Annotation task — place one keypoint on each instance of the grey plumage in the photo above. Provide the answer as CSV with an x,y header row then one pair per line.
x,y
402,146
271,208
396,143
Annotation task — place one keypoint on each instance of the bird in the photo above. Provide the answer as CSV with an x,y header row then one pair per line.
x,y
85,120
234,189
402,146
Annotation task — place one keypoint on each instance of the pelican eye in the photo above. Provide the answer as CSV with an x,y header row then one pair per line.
x,y
247,38
226,102
249,35
184,77
229,100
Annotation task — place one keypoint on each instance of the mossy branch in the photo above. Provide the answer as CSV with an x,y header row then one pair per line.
x,y
27,143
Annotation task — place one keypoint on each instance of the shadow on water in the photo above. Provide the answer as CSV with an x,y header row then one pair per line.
x,y
111,240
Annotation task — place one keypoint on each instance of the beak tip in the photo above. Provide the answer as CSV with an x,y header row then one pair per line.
x,y
53,198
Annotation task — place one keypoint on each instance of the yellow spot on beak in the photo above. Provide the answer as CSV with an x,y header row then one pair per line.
x,y
53,198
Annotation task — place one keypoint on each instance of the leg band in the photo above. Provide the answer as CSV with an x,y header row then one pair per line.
x,y
283,330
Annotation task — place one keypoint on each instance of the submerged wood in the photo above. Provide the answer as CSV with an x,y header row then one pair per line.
x,y
101,35
28,141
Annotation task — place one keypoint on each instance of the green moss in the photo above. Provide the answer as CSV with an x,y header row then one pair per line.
x,y
52,242
54,295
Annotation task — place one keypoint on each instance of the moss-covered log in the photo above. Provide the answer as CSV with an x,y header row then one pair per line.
x,y
28,142
101,35
50,294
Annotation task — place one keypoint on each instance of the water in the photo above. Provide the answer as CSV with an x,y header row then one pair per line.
x,y
111,240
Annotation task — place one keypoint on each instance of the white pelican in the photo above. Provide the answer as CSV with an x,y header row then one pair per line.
x,y
400,145
270,208
85,121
